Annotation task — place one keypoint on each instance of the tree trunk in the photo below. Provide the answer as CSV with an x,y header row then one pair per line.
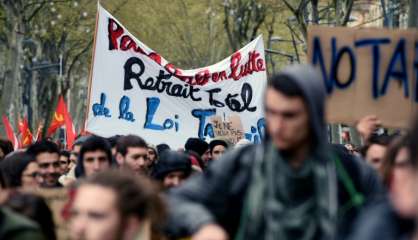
x,y
413,14
12,89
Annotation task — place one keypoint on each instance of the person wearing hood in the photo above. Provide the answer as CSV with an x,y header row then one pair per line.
x,y
172,169
217,148
95,156
292,186
200,148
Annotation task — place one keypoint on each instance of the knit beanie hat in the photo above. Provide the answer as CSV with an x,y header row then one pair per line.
x,y
171,161
196,145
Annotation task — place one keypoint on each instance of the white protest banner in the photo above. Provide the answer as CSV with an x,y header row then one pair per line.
x,y
133,90
367,71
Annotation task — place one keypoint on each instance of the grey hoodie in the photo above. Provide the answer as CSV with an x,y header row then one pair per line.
x,y
308,79
217,195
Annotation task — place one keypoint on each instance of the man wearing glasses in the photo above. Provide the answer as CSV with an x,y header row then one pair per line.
x,y
46,154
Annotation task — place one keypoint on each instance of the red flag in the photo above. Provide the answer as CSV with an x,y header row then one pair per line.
x,y
58,119
26,136
70,131
10,133
62,117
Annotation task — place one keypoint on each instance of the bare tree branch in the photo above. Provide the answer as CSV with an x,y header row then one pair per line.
x,y
295,47
34,12
288,5
33,3
315,13
348,12
227,28
76,58
302,5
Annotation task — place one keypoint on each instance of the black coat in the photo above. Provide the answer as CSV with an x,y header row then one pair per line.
x,y
381,221
218,194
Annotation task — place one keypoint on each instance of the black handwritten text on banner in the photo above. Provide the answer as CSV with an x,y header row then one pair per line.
x,y
134,90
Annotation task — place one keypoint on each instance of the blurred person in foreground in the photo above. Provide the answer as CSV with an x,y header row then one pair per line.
x,y
242,143
35,208
399,177
396,219
129,204
14,226
293,186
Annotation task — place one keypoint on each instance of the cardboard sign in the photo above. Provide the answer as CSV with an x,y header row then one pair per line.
x,y
56,199
133,90
367,71
230,129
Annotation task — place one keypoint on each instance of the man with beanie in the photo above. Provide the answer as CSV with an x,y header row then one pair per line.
x,y
293,186
217,148
162,147
199,147
172,169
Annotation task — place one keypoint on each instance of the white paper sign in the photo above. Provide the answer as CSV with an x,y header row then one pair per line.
x,y
133,90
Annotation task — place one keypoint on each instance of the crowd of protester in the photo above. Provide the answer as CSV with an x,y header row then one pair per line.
x,y
294,185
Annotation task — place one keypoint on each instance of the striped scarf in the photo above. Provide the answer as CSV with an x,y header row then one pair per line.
x,y
283,203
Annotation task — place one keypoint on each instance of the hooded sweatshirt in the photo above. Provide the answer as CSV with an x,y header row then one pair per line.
x,y
287,203
171,161
244,194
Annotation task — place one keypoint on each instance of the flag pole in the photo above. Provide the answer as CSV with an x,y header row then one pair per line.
x,y
91,68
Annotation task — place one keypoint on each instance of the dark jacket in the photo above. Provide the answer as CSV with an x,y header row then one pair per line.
x,y
12,168
381,221
16,227
218,194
